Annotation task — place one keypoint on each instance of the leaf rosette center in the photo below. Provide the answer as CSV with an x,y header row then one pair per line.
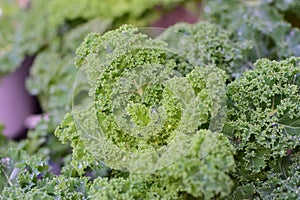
x,y
146,110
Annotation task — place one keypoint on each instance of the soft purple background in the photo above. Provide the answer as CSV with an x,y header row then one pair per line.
x,y
15,103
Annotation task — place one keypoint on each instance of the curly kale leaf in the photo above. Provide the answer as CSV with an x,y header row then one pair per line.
x,y
19,169
205,43
263,117
142,115
30,177
282,185
281,182
81,157
204,170
263,24
139,103
133,187
51,79
59,187
202,173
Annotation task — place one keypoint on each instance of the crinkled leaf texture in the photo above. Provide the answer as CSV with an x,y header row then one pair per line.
x,y
142,114
282,185
59,187
19,169
263,23
263,118
29,177
201,173
206,43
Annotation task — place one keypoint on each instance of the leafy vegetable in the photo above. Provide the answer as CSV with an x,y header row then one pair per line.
x,y
263,118
196,174
30,31
205,43
284,185
152,117
53,72
260,22
17,168
53,81
135,125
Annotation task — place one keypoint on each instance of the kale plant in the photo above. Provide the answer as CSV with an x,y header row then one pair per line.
x,y
265,24
188,112
263,124
142,115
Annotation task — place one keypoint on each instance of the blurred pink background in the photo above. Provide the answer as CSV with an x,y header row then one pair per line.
x,y
15,103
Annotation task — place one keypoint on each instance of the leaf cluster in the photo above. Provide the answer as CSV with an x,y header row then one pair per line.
x,y
263,124
267,25
153,118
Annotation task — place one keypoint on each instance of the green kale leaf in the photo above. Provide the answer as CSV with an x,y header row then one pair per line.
x,y
263,117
